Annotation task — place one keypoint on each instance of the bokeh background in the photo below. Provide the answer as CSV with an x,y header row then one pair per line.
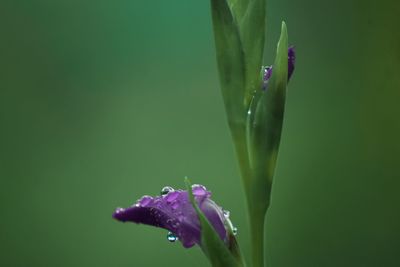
x,y
104,101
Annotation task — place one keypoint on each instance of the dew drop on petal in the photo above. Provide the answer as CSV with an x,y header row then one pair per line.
x,y
171,196
234,230
119,210
144,201
199,190
226,213
166,189
171,237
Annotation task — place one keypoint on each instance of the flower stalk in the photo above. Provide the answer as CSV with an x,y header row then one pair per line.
x,y
254,102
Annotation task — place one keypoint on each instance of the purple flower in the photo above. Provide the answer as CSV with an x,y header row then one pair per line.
x,y
291,62
174,212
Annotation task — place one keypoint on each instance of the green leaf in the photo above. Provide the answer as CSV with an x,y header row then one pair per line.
x,y
238,7
232,72
234,248
212,245
230,59
239,32
265,124
252,34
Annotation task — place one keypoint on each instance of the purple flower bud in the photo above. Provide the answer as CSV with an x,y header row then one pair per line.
x,y
291,63
174,212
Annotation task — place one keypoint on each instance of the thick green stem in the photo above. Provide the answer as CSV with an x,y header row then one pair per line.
x,y
256,181
257,195
257,236
257,203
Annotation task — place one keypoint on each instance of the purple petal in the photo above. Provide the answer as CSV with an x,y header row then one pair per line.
x,y
291,61
175,213
291,64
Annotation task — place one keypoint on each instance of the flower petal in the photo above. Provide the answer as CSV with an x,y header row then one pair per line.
x,y
291,61
175,213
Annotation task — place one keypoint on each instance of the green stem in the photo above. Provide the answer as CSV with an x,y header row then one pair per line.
x,y
257,203
257,191
257,236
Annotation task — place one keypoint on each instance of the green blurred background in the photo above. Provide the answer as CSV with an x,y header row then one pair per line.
x,y
104,101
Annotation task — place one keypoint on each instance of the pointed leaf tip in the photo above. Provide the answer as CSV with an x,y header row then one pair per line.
x,y
283,27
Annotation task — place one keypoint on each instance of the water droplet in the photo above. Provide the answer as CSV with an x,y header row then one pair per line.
x,y
171,237
145,201
171,196
226,213
234,230
199,190
119,210
166,190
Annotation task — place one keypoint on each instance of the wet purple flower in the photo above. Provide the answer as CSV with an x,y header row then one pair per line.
x,y
291,63
174,212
